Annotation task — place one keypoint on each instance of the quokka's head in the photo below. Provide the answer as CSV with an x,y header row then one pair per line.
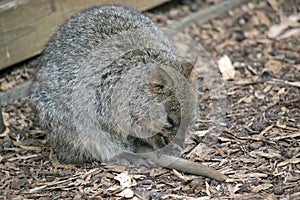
x,y
172,87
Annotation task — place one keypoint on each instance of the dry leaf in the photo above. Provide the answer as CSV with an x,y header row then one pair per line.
x,y
261,187
293,135
277,29
265,131
245,160
207,188
127,193
124,179
200,133
274,4
183,177
175,196
234,189
267,88
264,154
263,18
5,86
139,176
253,33
113,188
246,99
223,139
273,66
226,68
157,172
253,175
284,82
199,151
289,161
259,95
291,21
290,33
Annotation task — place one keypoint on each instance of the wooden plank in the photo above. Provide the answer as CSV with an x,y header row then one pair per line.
x,y
26,25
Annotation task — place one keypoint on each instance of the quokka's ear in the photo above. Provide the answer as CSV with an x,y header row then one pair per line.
x,y
186,68
160,78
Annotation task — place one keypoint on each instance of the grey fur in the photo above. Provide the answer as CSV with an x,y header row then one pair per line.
x,y
98,87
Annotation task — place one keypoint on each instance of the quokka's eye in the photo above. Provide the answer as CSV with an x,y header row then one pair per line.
x,y
171,123
161,86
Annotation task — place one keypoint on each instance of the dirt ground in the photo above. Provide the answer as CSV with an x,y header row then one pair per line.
x,y
257,48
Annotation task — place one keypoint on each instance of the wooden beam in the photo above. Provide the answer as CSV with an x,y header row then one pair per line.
x,y
26,25
199,17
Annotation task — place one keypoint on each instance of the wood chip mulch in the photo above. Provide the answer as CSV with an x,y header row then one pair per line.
x,y
258,148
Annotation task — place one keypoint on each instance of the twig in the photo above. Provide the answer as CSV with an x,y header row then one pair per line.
x,y
284,82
